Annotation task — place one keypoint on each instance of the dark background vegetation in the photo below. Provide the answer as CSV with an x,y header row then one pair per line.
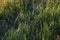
x,y
30,20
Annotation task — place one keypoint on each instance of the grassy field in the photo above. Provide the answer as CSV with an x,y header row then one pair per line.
x,y
23,20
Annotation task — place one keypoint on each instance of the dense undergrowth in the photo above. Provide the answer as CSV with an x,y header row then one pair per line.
x,y
25,21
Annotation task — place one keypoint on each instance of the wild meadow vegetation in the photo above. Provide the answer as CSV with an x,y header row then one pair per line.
x,y
30,20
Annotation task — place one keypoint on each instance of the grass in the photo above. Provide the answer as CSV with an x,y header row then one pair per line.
x,y
20,22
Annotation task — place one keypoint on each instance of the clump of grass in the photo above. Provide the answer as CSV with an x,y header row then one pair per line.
x,y
27,24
